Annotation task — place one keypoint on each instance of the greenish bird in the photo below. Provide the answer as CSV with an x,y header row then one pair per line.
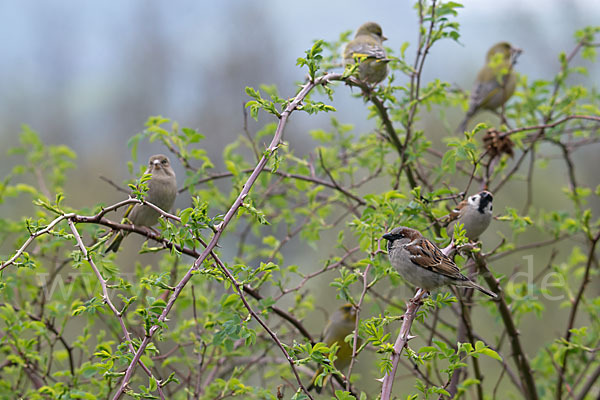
x,y
162,190
495,82
341,324
367,47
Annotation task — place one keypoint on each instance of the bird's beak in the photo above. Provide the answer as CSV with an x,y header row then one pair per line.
x,y
156,164
387,236
383,38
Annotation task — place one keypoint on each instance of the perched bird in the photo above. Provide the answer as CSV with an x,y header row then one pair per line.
x,y
340,324
162,189
368,43
422,263
495,82
475,213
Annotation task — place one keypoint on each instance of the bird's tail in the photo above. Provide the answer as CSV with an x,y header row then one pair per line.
x,y
482,290
116,242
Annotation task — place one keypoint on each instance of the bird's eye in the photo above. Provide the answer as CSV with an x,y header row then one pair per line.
x,y
164,161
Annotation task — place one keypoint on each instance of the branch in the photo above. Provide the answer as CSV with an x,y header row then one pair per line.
x,y
109,302
55,222
491,257
288,175
401,341
519,356
589,384
114,185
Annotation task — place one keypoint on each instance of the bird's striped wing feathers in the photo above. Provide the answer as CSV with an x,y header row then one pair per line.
x,y
426,255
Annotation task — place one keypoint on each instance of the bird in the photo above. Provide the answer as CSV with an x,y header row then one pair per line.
x,y
368,43
421,263
475,213
340,324
495,82
162,190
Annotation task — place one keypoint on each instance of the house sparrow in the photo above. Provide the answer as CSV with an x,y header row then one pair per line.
x,y
422,263
495,82
475,213
162,189
368,43
340,325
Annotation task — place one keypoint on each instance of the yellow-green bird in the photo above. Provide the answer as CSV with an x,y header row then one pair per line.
x,y
162,190
340,324
495,82
368,43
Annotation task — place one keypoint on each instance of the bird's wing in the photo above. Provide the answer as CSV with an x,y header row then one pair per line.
x,y
365,48
481,94
455,213
425,254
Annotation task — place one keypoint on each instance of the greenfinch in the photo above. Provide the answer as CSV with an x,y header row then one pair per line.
x,y
162,190
340,324
367,46
495,82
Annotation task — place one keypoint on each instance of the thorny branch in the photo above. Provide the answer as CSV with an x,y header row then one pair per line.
x,y
401,341
108,301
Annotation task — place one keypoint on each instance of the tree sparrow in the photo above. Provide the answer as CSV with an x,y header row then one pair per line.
x,y
422,263
475,213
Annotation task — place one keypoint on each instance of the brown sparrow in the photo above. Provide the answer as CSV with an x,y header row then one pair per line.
x,y
475,213
422,264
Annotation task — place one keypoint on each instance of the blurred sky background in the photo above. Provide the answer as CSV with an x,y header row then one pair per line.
x,y
89,74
